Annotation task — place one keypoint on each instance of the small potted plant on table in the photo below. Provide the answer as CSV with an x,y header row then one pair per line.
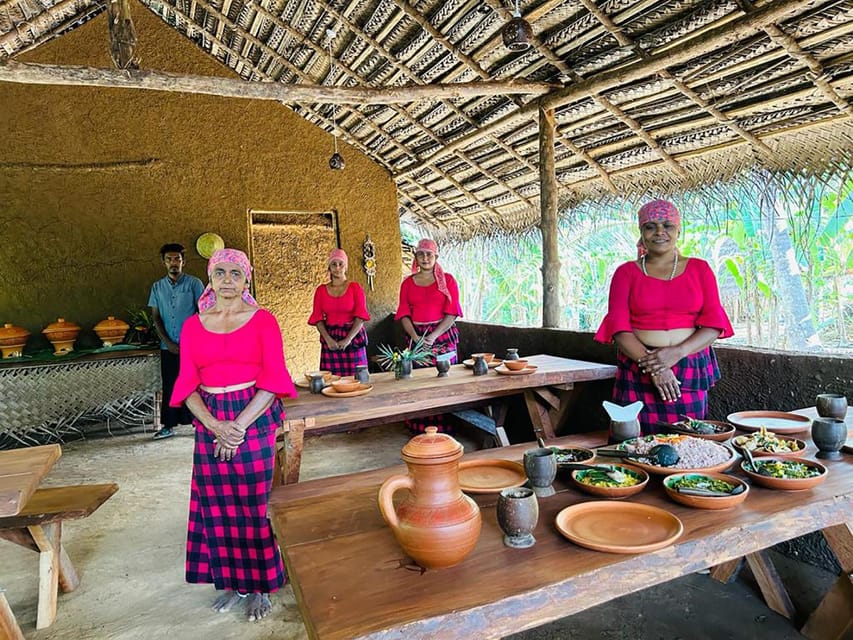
x,y
402,361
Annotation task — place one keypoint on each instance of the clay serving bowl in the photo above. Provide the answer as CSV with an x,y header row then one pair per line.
x,y
12,340
787,484
326,375
723,431
706,502
613,493
515,365
486,356
111,331
799,452
572,455
345,385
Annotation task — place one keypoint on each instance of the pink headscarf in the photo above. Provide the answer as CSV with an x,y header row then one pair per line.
x,y
425,244
338,254
655,211
231,256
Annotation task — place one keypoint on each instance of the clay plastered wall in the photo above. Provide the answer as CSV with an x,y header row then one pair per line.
x,y
93,181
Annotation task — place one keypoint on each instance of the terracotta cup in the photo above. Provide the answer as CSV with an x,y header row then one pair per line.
x,y
540,465
829,435
518,514
831,405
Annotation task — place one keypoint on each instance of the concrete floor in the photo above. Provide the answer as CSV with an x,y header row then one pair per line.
x,y
130,555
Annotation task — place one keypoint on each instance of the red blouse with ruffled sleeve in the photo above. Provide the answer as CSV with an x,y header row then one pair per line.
x,y
428,304
252,352
638,301
341,310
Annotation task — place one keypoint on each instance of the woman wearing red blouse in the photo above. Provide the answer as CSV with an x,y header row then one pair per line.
x,y
232,377
663,314
428,308
340,309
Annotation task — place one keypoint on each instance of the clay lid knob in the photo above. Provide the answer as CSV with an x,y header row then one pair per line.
x,y
432,446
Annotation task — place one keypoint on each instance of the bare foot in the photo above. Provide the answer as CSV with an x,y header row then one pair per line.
x,y
227,600
258,606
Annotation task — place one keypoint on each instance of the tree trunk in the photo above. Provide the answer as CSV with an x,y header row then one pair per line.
x,y
548,223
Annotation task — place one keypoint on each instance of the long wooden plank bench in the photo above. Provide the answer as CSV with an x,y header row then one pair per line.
x,y
38,526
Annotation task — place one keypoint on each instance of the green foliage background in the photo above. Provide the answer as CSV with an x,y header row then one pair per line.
x,y
732,228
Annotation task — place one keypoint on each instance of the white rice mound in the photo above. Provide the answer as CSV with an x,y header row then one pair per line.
x,y
693,453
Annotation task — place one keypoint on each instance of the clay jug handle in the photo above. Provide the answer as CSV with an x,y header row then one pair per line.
x,y
386,497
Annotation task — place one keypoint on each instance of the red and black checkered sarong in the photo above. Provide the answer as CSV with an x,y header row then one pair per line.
x,y
447,341
229,539
343,363
697,373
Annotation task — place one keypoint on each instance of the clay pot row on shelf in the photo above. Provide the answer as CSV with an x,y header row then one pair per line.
x,y
61,334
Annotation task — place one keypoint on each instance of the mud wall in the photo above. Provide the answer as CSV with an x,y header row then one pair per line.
x,y
93,181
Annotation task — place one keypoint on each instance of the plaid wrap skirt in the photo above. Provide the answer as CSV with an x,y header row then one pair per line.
x,y
343,363
230,541
447,341
697,373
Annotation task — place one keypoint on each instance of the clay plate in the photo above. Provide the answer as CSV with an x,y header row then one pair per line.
x,y
490,476
788,484
521,372
330,391
619,527
582,455
614,493
492,364
665,471
728,430
761,453
774,421
707,502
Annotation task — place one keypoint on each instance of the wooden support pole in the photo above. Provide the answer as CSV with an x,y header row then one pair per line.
x,y
122,34
548,223
48,539
31,73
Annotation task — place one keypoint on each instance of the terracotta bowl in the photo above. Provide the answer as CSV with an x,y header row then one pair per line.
x,y
486,356
345,385
725,431
761,453
706,502
12,340
515,365
111,331
787,484
613,493
62,335
569,455
326,375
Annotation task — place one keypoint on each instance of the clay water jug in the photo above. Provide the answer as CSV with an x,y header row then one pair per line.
x,y
436,524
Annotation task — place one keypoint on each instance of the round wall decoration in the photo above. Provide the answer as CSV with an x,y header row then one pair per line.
x,y
207,243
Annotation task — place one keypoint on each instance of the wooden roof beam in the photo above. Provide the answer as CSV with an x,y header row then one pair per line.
x,y
674,55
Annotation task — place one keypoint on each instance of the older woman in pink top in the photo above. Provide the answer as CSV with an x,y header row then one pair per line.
x,y
231,377
428,308
663,314
339,313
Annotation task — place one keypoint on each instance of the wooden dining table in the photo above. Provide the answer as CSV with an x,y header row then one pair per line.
x,y
548,394
352,579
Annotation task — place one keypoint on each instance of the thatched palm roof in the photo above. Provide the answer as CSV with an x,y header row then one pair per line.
x,y
649,96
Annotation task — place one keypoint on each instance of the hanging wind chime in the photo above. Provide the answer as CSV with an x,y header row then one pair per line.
x,y
517,33
368,252
336,162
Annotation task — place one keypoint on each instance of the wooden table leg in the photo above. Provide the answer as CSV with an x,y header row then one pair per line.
x,y
9,629
48,539
499,415
725,571
542,426
770,583
833,617
289,439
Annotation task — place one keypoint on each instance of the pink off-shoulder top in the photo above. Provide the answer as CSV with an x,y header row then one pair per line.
x,y
252,352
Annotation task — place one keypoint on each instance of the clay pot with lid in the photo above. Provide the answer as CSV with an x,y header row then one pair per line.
x,y
62,335
436,524
111,331
12,340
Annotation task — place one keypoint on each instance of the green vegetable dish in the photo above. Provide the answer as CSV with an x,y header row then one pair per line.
x,y
783,469
599,477
700,482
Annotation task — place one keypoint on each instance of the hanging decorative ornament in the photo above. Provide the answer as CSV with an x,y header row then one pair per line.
x,y
336,162
517,33
368,251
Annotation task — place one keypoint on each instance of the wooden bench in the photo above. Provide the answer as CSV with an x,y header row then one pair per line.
x,y
38,526
483,422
